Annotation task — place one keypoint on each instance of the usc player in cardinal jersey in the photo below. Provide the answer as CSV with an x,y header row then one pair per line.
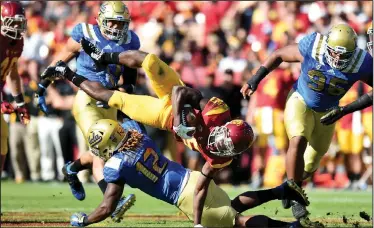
x,y
13,26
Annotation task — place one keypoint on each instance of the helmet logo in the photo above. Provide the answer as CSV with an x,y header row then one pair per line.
x,y
95,139
237,122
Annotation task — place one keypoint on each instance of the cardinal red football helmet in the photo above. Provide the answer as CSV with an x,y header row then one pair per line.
x,y
231,139
13,20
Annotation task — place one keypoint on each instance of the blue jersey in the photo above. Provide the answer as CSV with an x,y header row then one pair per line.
x,y
322,86
147,169
85,65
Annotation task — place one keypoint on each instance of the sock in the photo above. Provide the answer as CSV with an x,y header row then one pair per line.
x,y
356,176
264,221
102,185
76,166
350,176
252,199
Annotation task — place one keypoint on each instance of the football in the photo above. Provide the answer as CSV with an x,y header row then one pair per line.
x,y
188,117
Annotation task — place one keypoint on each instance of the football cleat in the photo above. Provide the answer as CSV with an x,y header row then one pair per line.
x,y
299,211
124,204
291,191
307,223
286,203
74,183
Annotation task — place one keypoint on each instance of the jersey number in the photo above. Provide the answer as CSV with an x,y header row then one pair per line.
x,y
155,166
7,65
318,83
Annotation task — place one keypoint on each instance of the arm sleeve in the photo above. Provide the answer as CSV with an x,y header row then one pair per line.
x,y
112,170
77,33
306,44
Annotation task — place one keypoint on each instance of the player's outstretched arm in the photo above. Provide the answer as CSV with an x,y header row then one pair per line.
x,y
181,97
201,191
112,195
131,58
334,115
289,54
14,81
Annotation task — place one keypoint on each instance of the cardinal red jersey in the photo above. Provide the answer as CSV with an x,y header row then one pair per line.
x,y
346,121
273,90
11,50
215,113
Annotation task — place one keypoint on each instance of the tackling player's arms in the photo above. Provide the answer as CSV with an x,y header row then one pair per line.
x,y
201,191
290,53
111,197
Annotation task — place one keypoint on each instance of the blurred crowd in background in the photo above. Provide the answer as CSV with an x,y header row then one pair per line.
x,y
215,46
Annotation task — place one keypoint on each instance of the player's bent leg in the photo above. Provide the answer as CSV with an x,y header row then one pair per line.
x,y
217,209
251,199
147,110
162,77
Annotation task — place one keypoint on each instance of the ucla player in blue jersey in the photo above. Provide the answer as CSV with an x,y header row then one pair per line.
x,y
132,158
362,102
113,35
330,65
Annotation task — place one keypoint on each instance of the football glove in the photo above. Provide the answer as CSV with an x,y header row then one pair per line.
x,y
59,71
183,131
6,107
93,51
23,114
332,116
77,219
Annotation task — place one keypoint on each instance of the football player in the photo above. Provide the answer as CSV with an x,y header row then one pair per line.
x,y
113,35
13,27
132,158
362,102
330,65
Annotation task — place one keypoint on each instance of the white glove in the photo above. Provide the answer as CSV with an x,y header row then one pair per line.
x,y
182,131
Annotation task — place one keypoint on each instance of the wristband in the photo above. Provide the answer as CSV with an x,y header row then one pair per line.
x,y
76,79
206,175
19,100
260,74
85,221
111,58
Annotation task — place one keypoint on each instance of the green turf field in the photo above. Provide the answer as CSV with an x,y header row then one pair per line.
x,y
52,204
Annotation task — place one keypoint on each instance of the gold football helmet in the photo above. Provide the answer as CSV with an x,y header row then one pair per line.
x,y
340,46
370,34
115,11
105,137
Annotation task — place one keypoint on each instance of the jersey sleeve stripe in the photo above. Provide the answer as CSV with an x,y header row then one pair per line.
x,y
92,32
348,68
85,30
359,63
318,51
322,49
314,50
355,61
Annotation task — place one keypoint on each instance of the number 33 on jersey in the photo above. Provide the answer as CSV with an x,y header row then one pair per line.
x,y
322,86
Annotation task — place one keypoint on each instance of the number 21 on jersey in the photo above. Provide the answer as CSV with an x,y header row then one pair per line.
x,y
147,171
